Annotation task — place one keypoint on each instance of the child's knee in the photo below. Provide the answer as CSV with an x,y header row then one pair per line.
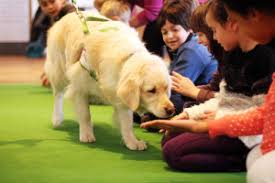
x,y
261,173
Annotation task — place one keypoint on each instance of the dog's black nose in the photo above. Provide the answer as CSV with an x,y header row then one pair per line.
x,y
169,110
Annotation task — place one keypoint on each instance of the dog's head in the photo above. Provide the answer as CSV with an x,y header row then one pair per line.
x,y
145,84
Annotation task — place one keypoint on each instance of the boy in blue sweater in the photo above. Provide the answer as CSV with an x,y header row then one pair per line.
x,y
188,57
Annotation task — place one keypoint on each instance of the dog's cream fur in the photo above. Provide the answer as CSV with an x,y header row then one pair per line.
x,y
128,76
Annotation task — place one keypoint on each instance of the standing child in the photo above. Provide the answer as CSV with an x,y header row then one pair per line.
x,y
147,17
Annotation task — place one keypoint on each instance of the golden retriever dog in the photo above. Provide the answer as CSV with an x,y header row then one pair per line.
x,y
110,62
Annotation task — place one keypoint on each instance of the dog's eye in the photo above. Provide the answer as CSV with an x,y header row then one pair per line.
x,y
152,90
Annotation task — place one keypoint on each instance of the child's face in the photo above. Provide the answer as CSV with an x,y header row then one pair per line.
x,y
173,35
51,7
226,34
254,26
202,39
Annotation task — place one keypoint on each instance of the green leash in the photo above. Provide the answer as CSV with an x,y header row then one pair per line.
x,y
92,18
86,31
84,19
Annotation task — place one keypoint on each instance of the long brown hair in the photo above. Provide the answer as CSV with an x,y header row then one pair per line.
x,y
198,24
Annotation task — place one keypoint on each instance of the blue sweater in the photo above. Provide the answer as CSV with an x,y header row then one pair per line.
x,y
192,60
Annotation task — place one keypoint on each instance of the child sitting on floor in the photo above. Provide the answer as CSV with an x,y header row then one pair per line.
x,y
184,85
49,11
188,57
247,76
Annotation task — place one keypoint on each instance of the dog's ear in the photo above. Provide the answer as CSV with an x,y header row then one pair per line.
x,y
129,92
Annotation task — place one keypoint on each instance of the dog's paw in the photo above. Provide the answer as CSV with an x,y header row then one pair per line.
x,y
136,145
57,120
87,137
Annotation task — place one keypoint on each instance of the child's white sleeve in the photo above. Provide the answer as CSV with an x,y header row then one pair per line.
x,y
196,111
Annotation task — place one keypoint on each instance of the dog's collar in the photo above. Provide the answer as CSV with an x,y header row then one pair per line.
x,y
85,65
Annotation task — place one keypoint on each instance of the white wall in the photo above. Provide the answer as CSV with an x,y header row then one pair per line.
x,y
87,4
14,21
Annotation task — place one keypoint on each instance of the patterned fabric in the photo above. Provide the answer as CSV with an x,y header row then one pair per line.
x,y
258,121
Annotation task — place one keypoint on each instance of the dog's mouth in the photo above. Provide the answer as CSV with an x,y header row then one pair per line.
x,y
141,110
168,113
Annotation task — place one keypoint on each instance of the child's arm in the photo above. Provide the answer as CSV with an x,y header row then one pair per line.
x,y
197,111
178,125
151,9
184,86
249,123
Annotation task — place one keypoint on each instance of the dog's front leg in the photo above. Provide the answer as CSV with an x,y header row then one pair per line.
x,y
81,106
57,116
125,119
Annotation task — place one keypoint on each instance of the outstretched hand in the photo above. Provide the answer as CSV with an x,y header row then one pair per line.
x,y
178,125
182,115
207,115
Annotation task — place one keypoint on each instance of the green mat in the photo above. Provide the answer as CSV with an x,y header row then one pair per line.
x,y
32,151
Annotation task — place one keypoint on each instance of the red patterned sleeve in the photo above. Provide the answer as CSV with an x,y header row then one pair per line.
x,y
249,123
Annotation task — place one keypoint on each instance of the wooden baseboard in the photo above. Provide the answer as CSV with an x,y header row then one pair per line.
x,y
12,48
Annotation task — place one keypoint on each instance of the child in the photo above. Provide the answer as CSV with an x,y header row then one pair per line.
x,y
184,85
256,19
146,17
189,58
246,75
116,10
49,11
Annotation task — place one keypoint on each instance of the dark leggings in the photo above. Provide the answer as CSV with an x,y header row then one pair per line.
x,y
192,152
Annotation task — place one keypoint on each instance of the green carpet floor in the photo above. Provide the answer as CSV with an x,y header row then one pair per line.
x,y
31,151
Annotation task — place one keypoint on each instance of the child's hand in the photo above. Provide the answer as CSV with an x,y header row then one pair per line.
x,y
184,86
208,115
161,124
178,125
44,80
180,116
